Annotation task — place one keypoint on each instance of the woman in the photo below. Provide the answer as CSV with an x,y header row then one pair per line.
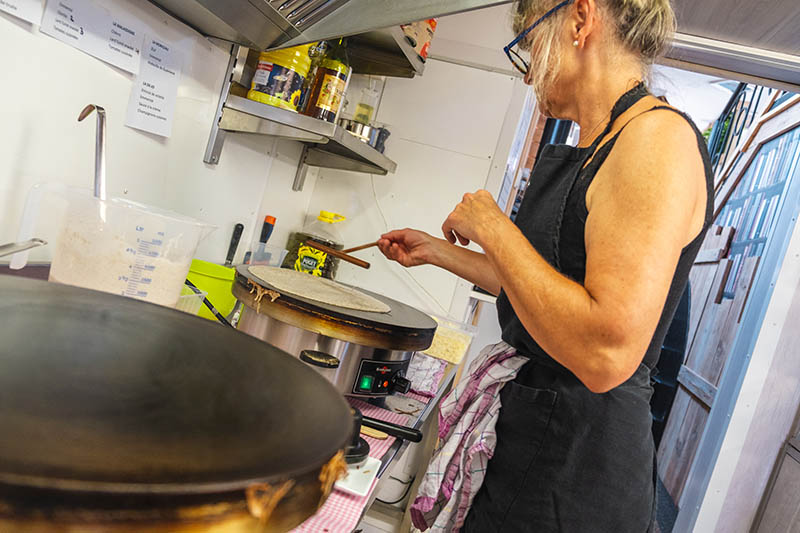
x,y
590,275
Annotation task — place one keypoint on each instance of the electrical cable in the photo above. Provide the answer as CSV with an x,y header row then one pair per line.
x,y
405,492
211,308
386,224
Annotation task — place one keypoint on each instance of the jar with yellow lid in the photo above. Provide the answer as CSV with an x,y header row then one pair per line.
x,y
305,258
279,77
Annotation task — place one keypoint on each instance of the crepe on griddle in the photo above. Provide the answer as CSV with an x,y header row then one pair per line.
x,y
322,290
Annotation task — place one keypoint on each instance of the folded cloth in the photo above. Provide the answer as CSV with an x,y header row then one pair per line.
x,y
425,373
467,440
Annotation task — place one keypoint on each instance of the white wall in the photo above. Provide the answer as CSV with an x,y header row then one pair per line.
x,y
450,133
45,84
452,130
445,127
476,38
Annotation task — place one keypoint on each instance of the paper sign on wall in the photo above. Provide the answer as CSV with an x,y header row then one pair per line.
x,y
152,102
92,29
28,10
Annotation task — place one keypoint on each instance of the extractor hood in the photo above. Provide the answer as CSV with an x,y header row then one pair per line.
x,y
265,24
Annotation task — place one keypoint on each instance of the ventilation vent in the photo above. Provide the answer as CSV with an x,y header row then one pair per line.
x,y
303,13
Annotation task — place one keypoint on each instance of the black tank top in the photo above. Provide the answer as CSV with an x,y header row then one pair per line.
x,y
553,218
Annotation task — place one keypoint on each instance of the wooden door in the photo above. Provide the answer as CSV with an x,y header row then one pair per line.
x,y
713,322
746,205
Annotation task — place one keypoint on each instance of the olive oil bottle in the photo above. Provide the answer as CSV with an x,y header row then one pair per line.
x,y
330,81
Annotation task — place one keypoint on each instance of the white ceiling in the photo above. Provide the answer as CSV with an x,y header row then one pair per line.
x,y
747,40
750,40
768,24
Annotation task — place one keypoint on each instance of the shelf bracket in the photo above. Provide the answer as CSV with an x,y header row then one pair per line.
x,y
302,171
317,156
217,136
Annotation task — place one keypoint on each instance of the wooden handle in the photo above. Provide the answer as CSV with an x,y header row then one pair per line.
x,y
358,248
336,253
374,433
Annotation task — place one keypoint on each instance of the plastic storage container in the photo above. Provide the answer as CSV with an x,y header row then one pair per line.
x,y
279,77
367,103
216,281
452,340
114,246
190,301
308,259
264,254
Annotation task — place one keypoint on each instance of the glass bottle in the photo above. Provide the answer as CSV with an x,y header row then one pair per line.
x,y
365,108
316,52
330,80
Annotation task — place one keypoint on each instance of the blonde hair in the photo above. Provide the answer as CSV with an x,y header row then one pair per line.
x,y
644,27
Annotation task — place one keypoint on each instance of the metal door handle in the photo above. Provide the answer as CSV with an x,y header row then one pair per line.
x,y
320,359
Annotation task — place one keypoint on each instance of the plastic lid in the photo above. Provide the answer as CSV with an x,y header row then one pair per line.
x,y
330,218
269,220
295,58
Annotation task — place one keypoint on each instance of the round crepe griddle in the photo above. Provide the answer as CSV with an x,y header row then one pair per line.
x,y
104,393
402,328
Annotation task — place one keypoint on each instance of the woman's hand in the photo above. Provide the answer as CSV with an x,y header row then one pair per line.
x,y
409,247
474,219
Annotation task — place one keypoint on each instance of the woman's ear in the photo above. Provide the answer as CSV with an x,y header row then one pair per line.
x,y
583,20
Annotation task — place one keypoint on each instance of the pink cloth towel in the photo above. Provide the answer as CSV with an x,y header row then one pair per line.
x,y
467,440
425,373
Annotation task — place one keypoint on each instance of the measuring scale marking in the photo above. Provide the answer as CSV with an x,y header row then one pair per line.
x,y
139,278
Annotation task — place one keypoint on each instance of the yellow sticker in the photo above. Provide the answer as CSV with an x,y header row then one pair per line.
x,y
310,260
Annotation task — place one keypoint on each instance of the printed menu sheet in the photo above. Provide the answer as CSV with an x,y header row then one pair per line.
x,y
92,29
152,102
28,10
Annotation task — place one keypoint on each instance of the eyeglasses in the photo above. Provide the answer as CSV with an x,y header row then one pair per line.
x,y
513,55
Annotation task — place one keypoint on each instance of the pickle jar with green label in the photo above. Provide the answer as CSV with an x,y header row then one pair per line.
x,y
305,258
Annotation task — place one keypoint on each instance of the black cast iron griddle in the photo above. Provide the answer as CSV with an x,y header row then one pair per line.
x,y
103,393
402,328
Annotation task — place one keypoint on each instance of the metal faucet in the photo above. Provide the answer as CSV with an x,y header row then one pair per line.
x,y
14,247
99,149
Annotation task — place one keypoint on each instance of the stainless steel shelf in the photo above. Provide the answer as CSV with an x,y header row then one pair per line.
x,y
384,52
243,115
326,145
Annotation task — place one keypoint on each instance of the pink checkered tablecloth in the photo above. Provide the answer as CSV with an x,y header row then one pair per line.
x,y
421,397
342,512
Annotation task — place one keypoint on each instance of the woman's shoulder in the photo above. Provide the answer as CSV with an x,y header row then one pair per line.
x,y
652,113
656,162
652,125
653,128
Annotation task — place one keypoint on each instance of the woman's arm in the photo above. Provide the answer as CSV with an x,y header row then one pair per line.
x,y
643,210
412,247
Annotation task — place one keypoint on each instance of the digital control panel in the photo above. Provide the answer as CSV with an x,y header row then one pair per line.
x,y
378,377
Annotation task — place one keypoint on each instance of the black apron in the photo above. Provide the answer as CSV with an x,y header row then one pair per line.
x,y
567,459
